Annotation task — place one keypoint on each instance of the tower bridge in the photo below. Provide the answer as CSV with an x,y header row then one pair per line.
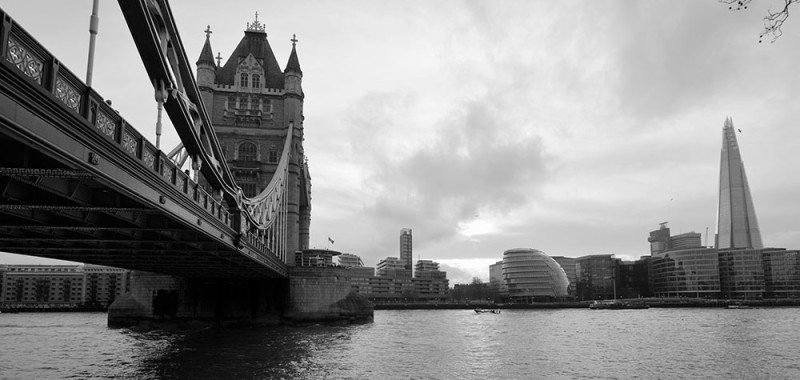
x,y
79,183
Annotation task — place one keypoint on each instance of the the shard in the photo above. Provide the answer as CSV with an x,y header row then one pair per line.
x,y
737,226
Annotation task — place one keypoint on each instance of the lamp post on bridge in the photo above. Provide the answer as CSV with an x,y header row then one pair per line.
x,y
94,22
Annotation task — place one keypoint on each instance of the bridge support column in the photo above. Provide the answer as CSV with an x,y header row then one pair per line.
x,y
324,295
162,299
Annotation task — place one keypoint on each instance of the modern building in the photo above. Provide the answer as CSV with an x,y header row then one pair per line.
x,y
496,283
392,267
685,241
530,275
741,273
430,282
781,273
634,278
315,257
61,285
252,103
568,265
350,260
737,226
406,248
685,273
661,241
597,276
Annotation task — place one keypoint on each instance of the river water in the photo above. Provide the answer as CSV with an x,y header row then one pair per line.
x,y
419,344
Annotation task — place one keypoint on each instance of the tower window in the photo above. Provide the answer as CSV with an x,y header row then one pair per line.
x,y
247,151
273,155
243,80
256,81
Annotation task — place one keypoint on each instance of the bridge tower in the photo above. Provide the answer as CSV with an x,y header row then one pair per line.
x,y
252,103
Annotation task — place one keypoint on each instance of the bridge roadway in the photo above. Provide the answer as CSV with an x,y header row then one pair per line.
x,y
78,183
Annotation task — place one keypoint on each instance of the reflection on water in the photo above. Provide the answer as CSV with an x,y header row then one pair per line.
x,y
442,344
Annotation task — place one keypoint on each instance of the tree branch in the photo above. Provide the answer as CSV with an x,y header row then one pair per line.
x,y
773,22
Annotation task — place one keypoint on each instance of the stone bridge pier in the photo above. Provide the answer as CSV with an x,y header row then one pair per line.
x,y
309,295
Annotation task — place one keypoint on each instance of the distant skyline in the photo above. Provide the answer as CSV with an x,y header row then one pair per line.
x,y
570,127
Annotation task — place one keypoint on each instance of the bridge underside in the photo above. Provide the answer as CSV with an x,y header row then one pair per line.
x,y
48,209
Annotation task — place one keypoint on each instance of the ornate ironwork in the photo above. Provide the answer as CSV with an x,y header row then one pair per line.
x,y
50,173
26,62
68,94
148,158
106,125
129,143
166,172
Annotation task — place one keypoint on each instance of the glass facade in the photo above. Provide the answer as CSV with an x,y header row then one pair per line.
x,y
741,274
596,277
686,273
781,273
531,275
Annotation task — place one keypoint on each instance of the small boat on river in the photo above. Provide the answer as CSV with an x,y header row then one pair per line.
x,y
491,311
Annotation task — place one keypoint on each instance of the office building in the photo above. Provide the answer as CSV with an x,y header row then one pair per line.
x,y
530,275
350,260
685,273
568,265
64,286
597,275
737,226
392,267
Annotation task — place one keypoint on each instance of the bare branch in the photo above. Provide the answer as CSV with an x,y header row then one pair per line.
x,y
773,22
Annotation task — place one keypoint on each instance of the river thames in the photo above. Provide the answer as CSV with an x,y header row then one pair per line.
x,y
419,344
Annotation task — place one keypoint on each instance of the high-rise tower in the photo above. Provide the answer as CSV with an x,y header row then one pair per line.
x,y
406,251
737,226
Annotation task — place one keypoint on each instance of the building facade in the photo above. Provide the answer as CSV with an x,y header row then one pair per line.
x,y
350,260
597,275
530,275
568,265
392,267
66,286
781,273
685,273
252,103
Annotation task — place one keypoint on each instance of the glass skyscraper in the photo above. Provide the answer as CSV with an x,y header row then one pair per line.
x,y
737,226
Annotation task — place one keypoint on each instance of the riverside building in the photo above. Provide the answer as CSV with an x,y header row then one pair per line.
x,y
61,286
530,275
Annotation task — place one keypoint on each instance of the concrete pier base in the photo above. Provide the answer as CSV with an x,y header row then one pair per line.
x,y
162,299
309,295
324,295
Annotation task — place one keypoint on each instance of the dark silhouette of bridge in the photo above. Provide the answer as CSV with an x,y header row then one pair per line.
x,y
78,183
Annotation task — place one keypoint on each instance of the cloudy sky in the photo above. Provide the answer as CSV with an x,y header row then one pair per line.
x,y
570,127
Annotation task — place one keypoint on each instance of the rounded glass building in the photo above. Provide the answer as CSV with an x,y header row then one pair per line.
x,y
530,275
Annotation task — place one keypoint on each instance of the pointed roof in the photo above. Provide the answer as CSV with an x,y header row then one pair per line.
x,y
206,55
737,225
254,42
294,63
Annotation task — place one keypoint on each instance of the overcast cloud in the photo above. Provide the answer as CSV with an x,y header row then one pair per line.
x,y
570,127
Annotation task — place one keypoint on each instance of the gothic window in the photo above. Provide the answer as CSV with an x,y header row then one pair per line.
x,y
266,106
247,151
243,102
256,81
231,102
273,154
243,80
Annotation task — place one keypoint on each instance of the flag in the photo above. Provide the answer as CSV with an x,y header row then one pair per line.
x,y
330,240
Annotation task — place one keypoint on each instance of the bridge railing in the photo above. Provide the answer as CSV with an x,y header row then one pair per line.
x,y
40,68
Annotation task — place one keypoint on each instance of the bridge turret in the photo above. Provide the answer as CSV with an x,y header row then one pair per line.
x,y
293,79
206,67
